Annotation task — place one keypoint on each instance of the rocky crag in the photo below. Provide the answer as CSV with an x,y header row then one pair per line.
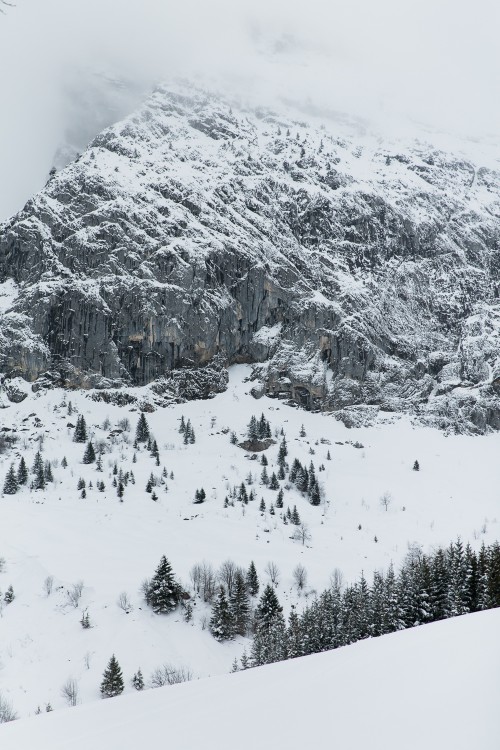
x,y
358,275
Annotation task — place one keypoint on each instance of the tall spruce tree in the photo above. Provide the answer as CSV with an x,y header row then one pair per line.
x,y
142,430
10,485
221,622
22,472
239,605
163,592
252,580
80,434
112,679
89,455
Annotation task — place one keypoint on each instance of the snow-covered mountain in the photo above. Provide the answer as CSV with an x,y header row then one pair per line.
x,y
359,274
434,687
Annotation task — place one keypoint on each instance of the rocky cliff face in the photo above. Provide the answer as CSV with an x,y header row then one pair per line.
x,y
357,274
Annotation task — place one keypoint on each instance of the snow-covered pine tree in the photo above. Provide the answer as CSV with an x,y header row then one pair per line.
x,y
9,595
239,604
269,643
142,430
89,455
221,622
80,434
22,472
274,484
252,580
163,592
112,679
279,499
253,429
10,485
138,680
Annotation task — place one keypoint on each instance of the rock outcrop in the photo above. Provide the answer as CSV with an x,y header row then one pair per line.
x,y
356,275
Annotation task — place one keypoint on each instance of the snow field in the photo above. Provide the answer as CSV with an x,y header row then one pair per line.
x,y
113,546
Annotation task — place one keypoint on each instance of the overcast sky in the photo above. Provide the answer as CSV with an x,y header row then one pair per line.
x,y
430,61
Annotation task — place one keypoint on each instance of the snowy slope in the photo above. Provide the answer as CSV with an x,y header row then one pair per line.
x,y
433,687
113,546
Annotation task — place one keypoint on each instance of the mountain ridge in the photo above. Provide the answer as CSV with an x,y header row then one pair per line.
x,y
356,275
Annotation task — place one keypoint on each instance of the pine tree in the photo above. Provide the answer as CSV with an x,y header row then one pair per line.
x,y
89,455
85,620
81,484
283,452
182,427
269,643
120,491
416,466
10,486
302,432
142,430
49,477
279,499
199,496
39,482
163,592
253,429
9,595
239,605
281,472
315,494
80,434
264,478
221,622
22,472
328,456
262,506
64,462
295,518
138,680
264,460
274,484
112,679
252,580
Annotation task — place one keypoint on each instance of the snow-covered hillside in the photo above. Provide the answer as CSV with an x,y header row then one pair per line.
x,y
433,687
113,546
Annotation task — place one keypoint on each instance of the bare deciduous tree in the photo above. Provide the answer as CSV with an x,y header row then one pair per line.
x,y
273,572
386,500
336,579
124,602
227,575
74,594
169,675
69,692
48,585
302,533
204,580
7,713
300,576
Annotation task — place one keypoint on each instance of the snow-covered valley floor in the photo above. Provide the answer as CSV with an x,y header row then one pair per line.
x,y
113,546
434,687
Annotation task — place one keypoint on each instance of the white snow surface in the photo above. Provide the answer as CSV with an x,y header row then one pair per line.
x,y
112,547
434,687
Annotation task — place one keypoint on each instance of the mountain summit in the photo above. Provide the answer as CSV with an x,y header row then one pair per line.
x,y
357,274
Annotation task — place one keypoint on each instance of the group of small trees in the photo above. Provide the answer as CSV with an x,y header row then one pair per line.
x,y
186,429
232,610
258,429
449,582
305,480
16,478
